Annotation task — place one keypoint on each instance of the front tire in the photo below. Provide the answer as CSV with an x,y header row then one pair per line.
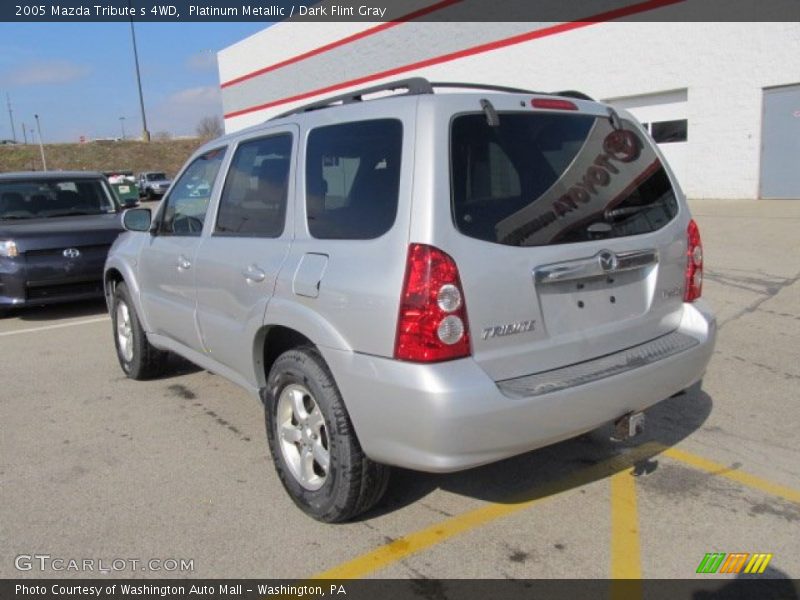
x,y
313,444
137,357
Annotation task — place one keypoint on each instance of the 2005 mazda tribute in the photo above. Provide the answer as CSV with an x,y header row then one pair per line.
x,y
433,281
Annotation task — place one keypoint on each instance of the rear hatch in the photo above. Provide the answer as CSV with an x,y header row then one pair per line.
x,y
567,235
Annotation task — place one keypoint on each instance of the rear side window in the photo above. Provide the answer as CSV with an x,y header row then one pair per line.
x,y
253,201
352,179
540,179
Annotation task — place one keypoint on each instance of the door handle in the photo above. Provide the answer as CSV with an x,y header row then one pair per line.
x,y
254,274
184,263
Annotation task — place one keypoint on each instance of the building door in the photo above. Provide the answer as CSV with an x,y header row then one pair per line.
x,y
780,143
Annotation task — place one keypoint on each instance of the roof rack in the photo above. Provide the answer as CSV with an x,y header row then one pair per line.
x,y
511,90
416,86
483,86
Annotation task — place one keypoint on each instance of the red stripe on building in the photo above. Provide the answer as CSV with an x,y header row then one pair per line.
x,y
343,42
480,49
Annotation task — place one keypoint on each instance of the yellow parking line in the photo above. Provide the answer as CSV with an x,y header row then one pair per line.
x,y
625,551
625,545
626,562
420,540
412,543
753,481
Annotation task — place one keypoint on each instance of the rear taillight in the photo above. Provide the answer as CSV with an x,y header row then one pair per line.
x,y
432,325
694,264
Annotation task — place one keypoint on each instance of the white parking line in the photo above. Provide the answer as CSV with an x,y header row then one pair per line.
x,y
58,326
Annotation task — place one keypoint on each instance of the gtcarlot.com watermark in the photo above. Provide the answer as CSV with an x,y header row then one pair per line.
x,y
46,562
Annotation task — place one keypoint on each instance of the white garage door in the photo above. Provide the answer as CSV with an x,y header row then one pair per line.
x,y
665,116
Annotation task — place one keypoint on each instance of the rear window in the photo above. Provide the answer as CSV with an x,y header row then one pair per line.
x,y
352,179
253,201
540,179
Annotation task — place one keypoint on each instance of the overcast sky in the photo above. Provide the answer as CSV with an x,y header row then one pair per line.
x,y
80,78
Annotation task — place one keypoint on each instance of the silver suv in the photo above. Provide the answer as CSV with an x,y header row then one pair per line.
x,y
428,280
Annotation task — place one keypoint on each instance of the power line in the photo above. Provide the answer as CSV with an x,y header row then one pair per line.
x,y
11,118
145,133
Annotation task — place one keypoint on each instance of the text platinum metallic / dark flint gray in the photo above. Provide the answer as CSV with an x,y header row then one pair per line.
x,y
431,281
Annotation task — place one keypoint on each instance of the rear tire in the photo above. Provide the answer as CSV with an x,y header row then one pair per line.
x,y
138,358
313,444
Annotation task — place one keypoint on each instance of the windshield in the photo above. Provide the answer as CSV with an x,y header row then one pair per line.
x,y
54,198
156,176
540,179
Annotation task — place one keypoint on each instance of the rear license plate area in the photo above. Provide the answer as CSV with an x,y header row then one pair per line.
x,y
581,304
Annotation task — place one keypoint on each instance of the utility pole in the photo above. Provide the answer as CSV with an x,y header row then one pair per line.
x,y
11,118
122,124
24,134
41,145
145,133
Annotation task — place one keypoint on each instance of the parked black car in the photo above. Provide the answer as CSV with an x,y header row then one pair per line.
x,y
55,231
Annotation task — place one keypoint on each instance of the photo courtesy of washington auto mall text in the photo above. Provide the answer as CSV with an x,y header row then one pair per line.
x,y
178,590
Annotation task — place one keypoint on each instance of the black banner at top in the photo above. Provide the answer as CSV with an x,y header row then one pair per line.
x,y
398,10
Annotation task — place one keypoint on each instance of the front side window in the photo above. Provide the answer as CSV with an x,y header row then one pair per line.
x,y
37,199
353,178
187,203
544,178
253,201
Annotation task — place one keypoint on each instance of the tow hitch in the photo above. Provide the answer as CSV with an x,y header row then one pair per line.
x,y
628,426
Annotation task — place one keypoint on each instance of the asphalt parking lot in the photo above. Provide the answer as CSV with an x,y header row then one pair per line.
x,y
93,465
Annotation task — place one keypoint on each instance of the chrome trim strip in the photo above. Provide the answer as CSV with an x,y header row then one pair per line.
x,y
598,368
601,264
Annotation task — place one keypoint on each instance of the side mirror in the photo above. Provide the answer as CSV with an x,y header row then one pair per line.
x,y
136,219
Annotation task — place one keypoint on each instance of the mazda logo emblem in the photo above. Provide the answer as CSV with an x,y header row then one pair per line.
x,y
71,253
608,261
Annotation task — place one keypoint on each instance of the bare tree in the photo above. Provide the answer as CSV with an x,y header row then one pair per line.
x,y
162,136
209,127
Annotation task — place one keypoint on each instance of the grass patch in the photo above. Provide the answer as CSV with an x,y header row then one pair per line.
x,y
136,156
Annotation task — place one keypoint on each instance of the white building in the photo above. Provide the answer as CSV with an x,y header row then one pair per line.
x,y
722,98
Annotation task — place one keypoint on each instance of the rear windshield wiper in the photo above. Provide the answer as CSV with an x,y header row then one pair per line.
x,y
625,211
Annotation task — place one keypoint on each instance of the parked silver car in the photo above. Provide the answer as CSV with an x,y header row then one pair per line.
x,y
153,184
433,281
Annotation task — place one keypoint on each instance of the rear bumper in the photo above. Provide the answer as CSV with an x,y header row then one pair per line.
x,y
452,416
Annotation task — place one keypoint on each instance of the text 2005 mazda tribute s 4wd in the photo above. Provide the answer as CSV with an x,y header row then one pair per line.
x,y
433,281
